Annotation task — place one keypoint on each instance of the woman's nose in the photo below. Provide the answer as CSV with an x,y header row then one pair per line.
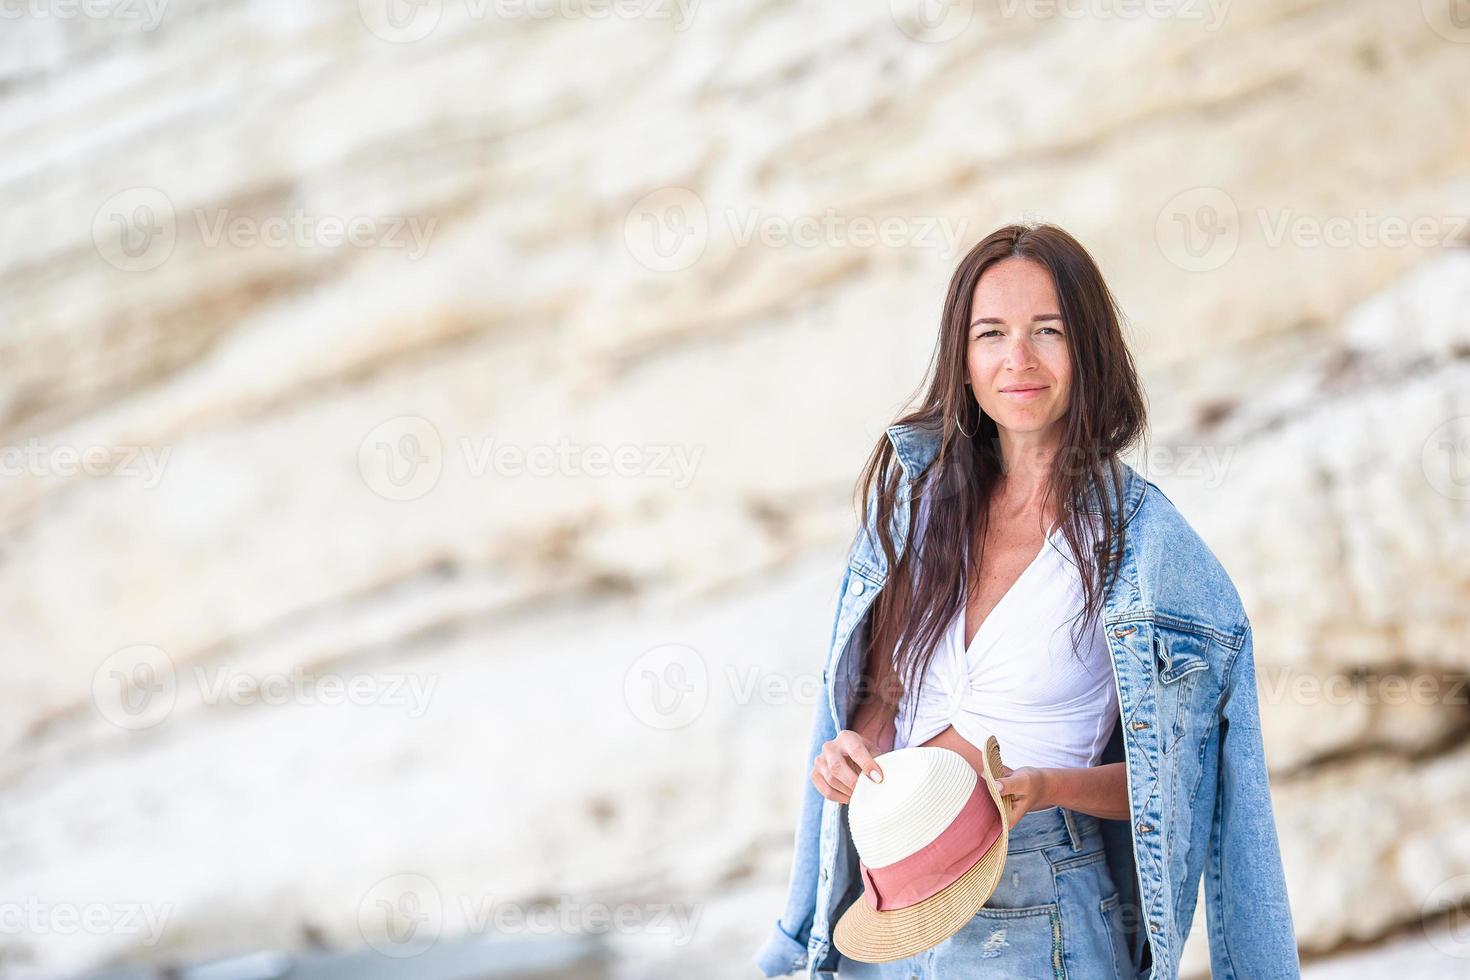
x,y
1020,354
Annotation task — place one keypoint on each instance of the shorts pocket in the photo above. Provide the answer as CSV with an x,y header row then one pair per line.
x,y
1013,943
1017,933
1111,911
1091,915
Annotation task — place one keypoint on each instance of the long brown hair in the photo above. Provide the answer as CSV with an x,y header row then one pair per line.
x,y
1105,415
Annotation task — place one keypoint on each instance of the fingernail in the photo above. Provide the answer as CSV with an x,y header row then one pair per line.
x,y
875,775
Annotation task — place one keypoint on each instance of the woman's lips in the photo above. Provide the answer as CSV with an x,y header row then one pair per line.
x,y
1025,395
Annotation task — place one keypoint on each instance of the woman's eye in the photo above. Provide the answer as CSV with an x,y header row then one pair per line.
x,y
996,333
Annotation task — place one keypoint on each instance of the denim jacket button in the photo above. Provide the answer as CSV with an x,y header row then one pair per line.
x,y
856,588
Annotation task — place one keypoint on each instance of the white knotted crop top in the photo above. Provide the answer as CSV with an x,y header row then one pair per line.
x,y
1020,679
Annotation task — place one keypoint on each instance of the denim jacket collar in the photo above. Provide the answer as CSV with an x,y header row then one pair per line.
x,y
916,445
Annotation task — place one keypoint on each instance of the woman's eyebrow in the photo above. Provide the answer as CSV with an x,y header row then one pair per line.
x,y
1038,318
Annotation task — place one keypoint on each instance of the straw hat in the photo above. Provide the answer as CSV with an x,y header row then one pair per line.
x,y
932,840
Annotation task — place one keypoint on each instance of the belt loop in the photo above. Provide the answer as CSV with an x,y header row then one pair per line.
x,y
1072,830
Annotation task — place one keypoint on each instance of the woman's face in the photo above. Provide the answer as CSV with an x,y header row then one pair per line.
x,y
1017,358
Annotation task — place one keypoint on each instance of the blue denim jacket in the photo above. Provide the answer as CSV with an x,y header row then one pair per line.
x,y
1189,732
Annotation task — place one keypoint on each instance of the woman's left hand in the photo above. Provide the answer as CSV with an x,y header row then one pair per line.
x,y
1024,789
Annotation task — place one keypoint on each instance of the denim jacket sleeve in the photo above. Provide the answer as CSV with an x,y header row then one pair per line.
x,y
1249,919
785,950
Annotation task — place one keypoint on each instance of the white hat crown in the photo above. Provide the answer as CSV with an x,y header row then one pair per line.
x,y
923,790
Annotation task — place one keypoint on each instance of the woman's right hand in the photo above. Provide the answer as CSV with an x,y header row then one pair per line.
x,y
843,761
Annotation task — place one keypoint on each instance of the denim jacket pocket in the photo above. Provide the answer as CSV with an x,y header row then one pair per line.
x,y
1180,652
1181,658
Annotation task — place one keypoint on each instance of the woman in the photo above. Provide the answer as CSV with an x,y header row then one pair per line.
x,y
1029,522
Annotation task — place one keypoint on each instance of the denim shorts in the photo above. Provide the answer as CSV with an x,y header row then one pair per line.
x,y
1055,914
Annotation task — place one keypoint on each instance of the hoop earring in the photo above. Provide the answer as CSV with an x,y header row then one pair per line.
x,y
968,435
